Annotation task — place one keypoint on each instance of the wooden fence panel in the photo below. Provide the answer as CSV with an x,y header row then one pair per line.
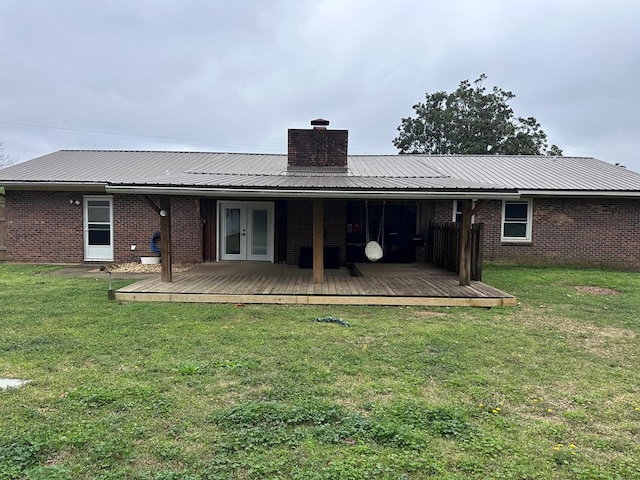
x,y
477,250
446,243
445,247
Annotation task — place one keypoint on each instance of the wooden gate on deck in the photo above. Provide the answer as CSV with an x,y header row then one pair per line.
x,y
445,247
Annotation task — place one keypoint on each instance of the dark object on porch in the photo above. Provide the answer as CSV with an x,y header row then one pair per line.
x,y
331,257
355,253
446,246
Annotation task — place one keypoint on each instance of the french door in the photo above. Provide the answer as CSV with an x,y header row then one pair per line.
x,y
246,231
98,228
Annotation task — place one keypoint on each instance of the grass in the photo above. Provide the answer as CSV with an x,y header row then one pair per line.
x,y
548,389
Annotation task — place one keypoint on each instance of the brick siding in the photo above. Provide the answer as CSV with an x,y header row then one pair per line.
x,y
581,232
135,222
317,148
46,227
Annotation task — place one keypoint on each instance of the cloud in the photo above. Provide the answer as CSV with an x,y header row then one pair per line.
x,y
233,76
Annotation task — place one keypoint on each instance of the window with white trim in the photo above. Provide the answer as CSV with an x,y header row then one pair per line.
x,y
516,220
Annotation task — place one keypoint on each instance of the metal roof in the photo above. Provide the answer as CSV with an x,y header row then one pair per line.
x,y
528,172
490,173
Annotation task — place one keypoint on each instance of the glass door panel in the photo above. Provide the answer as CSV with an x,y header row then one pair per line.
x,y
259,233
232,231
232,240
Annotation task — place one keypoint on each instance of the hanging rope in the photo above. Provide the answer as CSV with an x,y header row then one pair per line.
x,y
373,250
381,227
366,213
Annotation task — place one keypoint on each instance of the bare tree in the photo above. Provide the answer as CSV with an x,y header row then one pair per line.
x,y
5,158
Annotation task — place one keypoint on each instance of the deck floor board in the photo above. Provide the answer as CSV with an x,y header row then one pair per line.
x,y
377,284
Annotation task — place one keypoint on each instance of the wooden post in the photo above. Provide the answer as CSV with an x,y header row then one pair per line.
x,y
318,241
165,238
464,265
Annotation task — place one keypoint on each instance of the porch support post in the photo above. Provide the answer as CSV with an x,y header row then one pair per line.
x,y
151,203
165,237
318,240
464,265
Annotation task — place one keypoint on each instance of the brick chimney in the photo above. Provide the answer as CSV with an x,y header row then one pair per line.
x,y
319,147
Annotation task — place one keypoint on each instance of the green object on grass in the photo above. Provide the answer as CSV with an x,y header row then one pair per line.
x,y
332,320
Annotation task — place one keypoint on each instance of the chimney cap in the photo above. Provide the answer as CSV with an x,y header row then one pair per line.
x,y
319,122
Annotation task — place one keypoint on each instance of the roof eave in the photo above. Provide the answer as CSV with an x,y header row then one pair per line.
x,y
53,186
581,193
423,194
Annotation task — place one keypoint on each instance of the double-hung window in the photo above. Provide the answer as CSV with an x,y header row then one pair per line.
x,y
516,220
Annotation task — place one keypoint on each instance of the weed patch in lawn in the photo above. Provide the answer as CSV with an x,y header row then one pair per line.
x,y
596,290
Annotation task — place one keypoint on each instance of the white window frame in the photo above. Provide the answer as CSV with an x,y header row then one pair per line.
x,y
456,212
527,237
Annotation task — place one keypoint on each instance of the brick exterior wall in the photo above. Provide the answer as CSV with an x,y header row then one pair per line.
x,y
45,227
581,232
443,211
135,222
300,227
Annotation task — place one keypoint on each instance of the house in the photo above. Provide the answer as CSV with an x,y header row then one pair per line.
x,y
105,206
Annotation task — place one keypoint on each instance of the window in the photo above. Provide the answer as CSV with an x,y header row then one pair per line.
x,y
457,211
516,221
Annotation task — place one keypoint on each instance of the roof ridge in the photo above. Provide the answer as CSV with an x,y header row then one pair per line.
x,y
381,155
348,173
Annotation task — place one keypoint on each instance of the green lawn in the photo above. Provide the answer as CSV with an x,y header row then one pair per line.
x,y
547,389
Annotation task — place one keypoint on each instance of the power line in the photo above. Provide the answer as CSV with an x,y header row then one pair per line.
x,y
156,138
218,144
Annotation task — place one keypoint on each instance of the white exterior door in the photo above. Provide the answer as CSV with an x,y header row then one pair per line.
x,y
246,231
98,228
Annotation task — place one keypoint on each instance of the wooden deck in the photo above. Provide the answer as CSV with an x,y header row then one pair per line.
x,y
375,284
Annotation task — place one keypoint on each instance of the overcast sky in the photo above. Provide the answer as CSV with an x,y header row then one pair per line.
x,y
233,76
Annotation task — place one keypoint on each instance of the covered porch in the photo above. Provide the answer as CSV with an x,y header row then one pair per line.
x,y
414,284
